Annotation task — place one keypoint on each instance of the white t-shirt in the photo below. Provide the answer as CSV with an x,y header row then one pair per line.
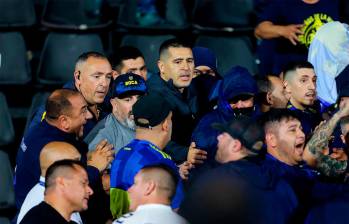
x,y
35,197
151,214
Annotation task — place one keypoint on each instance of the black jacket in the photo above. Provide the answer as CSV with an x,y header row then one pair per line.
x,y
184,118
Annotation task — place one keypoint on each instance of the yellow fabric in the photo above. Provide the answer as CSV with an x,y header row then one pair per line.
x,y
119,202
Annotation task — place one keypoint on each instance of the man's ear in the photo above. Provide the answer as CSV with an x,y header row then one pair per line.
x,y
269,98
165,126
115,74
150,187
236,145
161,66
64,122
77,76
270,139
287,86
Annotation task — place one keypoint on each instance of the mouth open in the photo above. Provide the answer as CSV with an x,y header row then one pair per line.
x,y
299,147
185,77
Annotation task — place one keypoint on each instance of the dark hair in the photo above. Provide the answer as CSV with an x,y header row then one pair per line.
x,y
124,53
264,86
174,42
58,103
60,168
294,65
86,55
276,115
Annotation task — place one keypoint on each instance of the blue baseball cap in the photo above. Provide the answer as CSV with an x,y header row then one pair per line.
x,y
128,84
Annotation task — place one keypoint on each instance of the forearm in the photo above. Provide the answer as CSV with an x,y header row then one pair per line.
x,y
322,135
331,167
267,30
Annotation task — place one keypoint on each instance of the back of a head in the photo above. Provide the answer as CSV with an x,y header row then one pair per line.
x,y
292,67
175,43
125,53
165,179
151,110
61,168
264,86
55,151
58,103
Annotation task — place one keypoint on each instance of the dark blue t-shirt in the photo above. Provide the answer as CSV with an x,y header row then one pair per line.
x,y
312,16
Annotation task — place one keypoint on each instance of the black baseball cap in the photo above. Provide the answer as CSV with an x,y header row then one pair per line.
x,y
246,130
150,110
128,84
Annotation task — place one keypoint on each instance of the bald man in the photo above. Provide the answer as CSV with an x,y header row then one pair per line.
x,y
52,152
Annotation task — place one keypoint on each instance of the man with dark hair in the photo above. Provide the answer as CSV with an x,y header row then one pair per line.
x,y
271,93
286,151
118,128
66,191
67,114
153,118
239,190
150,197
176,66
129,59
300,83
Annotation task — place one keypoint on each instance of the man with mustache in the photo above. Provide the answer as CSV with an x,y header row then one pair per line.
x,y
300,83
176,69
118,128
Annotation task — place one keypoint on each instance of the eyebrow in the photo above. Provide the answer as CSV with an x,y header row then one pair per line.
x,y
100,73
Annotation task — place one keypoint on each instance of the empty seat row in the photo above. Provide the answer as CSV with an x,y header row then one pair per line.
x,y
96,14
61,50
7,133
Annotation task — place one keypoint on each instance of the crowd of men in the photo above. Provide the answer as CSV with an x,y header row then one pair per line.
x,y
119,145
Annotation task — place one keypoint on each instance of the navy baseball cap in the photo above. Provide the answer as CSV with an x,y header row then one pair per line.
x,y
246,130
128,84
150,110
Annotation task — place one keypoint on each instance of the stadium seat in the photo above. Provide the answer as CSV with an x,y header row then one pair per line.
x,y
59,54
223,15
174,19
6,127
4,220
13,59
230,51
7,196
38,100
74,15
17,13
149,45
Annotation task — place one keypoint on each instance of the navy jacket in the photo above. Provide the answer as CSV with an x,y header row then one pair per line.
x,y
28,164
306,184
185,109
237,81
239,192
104,108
